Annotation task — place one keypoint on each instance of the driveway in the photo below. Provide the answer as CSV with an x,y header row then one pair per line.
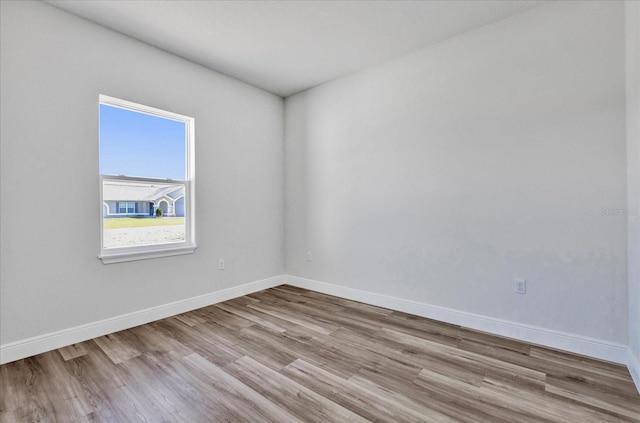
x,y
150,235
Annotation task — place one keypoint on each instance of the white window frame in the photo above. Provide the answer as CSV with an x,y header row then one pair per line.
x,y
141,252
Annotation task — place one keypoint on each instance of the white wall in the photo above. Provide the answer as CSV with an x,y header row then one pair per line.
x,y
632,13
53,66
441,176
437,177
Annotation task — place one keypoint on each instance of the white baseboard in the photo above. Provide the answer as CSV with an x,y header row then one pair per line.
x,y
50,341
591,347
633,363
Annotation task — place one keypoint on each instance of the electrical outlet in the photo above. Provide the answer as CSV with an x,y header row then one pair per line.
x,y
221,264
309,256
519,286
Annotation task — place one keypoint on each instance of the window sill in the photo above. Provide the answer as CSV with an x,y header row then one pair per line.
x,y
122,256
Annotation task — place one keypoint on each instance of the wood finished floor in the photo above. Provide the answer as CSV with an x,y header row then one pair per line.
x,y
292,355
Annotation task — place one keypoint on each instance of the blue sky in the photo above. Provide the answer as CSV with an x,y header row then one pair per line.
x,y
137,144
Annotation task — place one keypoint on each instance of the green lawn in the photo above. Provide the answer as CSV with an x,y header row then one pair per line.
x,y
139,222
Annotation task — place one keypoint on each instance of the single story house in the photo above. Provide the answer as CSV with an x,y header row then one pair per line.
x,y
127,198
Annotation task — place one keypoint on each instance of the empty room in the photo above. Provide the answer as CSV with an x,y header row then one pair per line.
x,y
320,211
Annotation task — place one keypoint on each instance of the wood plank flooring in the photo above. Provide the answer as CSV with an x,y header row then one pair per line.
x,y
291,355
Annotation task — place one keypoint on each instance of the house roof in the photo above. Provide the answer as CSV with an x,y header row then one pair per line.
x,y
139,191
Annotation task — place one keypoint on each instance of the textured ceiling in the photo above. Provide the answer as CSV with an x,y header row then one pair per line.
x,y
288,46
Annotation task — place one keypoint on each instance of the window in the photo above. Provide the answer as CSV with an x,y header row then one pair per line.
x,y
147,174
126,207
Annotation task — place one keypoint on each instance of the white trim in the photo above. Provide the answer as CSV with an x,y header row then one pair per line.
x,y
167,250
38,344
142,108
596,348
633,364
579,344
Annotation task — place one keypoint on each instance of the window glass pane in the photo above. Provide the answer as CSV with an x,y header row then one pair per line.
x,y
139,144
147,226
146,166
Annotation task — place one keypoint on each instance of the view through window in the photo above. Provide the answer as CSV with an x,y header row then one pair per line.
x,y
146,170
